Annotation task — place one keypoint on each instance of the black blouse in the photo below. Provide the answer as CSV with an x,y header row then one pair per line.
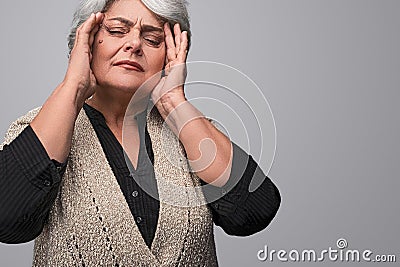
x,y
29,182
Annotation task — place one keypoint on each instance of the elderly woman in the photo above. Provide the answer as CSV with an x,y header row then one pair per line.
x,y
90,198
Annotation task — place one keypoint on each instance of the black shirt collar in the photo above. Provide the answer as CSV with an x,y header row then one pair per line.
x,y
97,117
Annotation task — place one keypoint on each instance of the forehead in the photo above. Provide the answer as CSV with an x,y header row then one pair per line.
x,y
133,10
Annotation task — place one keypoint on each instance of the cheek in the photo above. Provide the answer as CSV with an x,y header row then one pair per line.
x,y
101,54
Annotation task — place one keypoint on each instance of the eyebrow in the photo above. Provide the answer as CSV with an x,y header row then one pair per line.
x,y
145,27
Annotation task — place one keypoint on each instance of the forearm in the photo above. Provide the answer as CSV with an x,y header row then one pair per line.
x,y
238,208
208,150
55,122
29,183
54,125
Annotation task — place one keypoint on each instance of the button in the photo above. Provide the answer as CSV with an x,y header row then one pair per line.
x,y
47,182
135,193
139,219
216,206
223,191
23,218
181,163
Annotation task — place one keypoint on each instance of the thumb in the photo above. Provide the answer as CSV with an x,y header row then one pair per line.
x,y
158,91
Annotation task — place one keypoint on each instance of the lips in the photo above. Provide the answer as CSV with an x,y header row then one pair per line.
x,y
130,65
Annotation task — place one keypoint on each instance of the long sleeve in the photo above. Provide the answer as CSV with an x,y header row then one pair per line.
x,y
236,210
29,182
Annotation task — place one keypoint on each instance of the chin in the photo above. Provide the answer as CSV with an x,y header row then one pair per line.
x,y
128,86
125,83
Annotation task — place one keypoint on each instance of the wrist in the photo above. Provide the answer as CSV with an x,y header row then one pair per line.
x,y
71,95
183,114
171,100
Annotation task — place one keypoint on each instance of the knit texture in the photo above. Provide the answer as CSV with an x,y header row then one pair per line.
x,y
90,223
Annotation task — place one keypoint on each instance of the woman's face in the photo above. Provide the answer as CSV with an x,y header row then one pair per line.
x,y
129,48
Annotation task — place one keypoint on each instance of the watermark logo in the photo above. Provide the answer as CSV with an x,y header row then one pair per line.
x,y
340,253
341,243
227,97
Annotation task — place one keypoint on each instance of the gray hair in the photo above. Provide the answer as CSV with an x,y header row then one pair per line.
x,y
171,11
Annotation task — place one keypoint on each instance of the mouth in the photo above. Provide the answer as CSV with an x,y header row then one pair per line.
x,y
129,65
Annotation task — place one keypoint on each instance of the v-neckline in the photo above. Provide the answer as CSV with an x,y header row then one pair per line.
x,y
141,131
162,248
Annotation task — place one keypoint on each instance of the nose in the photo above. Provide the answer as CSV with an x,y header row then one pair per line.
x,y
133,44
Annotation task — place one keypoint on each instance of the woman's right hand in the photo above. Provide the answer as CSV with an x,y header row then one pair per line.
x,y
79,74
54,124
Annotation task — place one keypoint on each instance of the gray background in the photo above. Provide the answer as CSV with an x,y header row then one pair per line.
x,y
330,71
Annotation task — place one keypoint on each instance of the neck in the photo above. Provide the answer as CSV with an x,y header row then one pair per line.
x,y
114,105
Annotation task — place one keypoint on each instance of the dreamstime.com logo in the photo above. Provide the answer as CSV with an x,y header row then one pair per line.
x,y
341,254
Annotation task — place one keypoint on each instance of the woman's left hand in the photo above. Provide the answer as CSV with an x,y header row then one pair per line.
x,y
169,92
208,150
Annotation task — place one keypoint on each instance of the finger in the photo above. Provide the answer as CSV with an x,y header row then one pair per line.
x,y
83,29
90,23
177,33
169,41
167,69
183,47
99,18
92,34
157,91
166,61
83,32
77,35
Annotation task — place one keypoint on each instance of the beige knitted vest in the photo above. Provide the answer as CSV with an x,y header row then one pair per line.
x,y
90,223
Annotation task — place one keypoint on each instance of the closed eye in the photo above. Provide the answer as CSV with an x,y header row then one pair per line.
x,y
116,30
153,42
119,31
